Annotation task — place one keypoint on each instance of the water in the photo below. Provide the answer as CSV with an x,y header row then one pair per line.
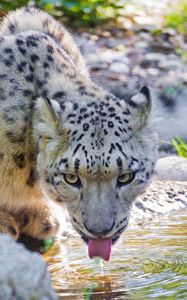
x,y
148,263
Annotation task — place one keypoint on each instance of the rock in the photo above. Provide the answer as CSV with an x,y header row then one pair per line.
x,y
110,56
86,46
113,42
138,71
170,112
170,64
142,44
153,71
152,59
97,65
119,67
160,198
171,168
23,275
162,46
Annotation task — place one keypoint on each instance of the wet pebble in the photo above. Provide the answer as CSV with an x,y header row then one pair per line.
x,y
119,67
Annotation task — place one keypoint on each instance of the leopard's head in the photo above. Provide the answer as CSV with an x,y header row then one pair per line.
x,y
96,157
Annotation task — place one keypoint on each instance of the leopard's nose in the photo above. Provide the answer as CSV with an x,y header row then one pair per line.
x,y
99,232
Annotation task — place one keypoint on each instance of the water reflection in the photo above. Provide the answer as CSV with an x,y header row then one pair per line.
x,y
149,262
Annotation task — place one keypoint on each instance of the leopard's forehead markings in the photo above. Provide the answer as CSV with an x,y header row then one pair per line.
x,y
99,119
99,131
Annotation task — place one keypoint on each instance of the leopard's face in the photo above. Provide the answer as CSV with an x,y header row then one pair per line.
x,y
100,162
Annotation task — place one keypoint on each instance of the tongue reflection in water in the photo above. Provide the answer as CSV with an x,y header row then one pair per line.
x,y
100,247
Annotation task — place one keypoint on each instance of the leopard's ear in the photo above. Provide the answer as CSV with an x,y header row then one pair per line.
x,y
140,106
142,100
49,114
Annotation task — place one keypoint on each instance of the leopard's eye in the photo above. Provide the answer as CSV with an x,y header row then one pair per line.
x,y
72,179
126,178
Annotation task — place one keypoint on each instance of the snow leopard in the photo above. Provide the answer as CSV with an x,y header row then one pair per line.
x,y
66,140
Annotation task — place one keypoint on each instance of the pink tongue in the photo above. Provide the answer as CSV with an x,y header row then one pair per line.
x,y
100,247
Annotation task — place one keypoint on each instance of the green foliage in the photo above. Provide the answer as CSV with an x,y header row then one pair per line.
x,y
78,13
182,53
180,146
177,19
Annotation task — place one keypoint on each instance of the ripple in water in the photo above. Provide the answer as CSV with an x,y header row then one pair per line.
x,y
148,263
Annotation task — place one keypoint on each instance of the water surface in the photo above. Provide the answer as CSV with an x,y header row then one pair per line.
x,y
149,262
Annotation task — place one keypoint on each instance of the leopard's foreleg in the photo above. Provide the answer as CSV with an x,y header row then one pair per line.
x,y
39,221
8,224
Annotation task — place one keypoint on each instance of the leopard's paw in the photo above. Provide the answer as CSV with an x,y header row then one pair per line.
x,y
39,222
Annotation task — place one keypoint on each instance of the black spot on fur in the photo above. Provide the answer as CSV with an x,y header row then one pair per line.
x,y
110,124
8,50
77,164
75,106
33,177
34,58
147,175
32,156
40,83
76,149
2,94
19,160
12,230
19,42
31,69
8,63
111,109
120,149
58,95
80,137
112,147
12,28
126,112
31,42
46,74
25,220
71,116
8,117
49,58
29,78
21,66
63,161
119,163
22,50
14,138
46,65
116,133
134,159
3,76
1,155
50,49
85,127
27,93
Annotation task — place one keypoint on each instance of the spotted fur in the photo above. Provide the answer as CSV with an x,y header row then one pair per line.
x,y
56,120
